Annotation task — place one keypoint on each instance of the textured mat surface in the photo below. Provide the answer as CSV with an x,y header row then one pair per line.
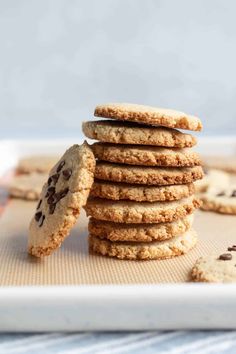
x,y
72,264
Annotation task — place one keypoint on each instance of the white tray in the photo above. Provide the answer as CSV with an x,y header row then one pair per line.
x,y
109,307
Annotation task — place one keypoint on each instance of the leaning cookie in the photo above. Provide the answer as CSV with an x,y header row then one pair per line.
x,y
133,133
36,163
147,175
139,232
220,199
140,212
146,155
148,115
140,193
27,186
216,268
61,199
144,251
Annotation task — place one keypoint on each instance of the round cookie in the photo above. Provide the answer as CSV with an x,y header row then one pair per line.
x,y
144,251
133,133
146,155
139,232
140,212
27,186
220,199
148,115
37,163
147,175
61,199
216,268
212,178
140,193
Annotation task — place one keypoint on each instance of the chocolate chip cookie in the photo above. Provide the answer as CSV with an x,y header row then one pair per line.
x,y
216,268
61,199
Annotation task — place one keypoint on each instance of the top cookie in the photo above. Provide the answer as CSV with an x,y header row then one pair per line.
x,y
137,134
61,199
148,115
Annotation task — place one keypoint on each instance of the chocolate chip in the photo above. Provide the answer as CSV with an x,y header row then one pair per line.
x,y
233,193
233,248
63,193
50,192
51,199
52,208
225,257
53,179
59,168
67,173
38,215
221,194
39,204
205,170
42,220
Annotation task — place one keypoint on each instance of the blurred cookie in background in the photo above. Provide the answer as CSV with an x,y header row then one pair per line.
x,y
28,186
36,163
211,177
224,163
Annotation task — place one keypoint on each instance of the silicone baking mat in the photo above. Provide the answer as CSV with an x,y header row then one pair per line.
x,y
73,265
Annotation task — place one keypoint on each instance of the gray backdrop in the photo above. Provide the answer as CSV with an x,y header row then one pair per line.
x,y
60,58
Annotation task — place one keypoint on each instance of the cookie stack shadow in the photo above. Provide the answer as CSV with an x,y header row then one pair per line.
x,y
142,201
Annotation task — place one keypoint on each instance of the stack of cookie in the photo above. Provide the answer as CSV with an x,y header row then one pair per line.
x,y
142,200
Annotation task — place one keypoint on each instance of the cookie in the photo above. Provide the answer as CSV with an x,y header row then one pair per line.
x,y
146,155
220,199
216,268
140,212
37,163
148,115
212,178
139,232
140,193
61,199
147,175
144,251
137,134
27,186
224,163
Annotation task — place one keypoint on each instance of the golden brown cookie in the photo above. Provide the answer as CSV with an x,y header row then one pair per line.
x,y
147,175
137,134
148,115
27,186
61,199
146,155
36,163
216,268
140,193
139,232
140,212
144,251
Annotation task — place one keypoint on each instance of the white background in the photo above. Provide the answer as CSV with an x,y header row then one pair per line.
x,y
59,59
